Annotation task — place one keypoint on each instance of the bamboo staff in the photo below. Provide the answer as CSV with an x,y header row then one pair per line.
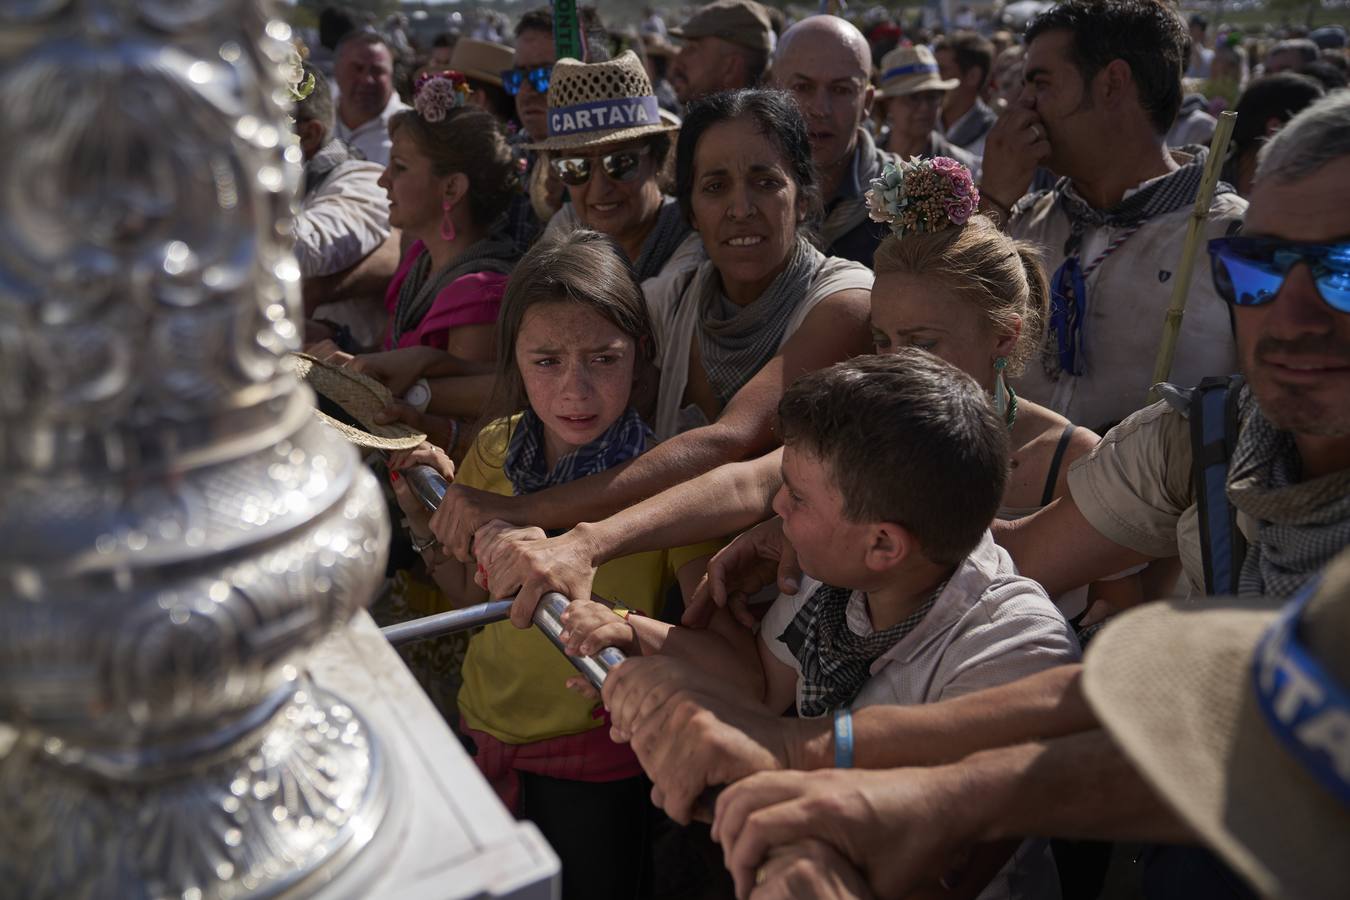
x,y
1218,148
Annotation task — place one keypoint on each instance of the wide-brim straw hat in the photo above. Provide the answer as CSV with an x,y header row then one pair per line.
x,y
908,70
481,60
590,104
1175,686
352,400
656,45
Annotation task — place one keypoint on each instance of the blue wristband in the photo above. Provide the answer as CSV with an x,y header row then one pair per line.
x,y
843,739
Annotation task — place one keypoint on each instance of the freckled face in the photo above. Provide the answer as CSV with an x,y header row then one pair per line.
x,y
577,368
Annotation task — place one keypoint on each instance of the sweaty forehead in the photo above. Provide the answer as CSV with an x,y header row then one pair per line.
x,y
1050,51
1311,209
736,146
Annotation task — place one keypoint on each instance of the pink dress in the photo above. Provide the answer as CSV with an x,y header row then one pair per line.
x,y
470,300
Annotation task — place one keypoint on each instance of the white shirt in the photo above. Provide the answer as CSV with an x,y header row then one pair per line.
x,y
1128,297
989,626
343,220
371,137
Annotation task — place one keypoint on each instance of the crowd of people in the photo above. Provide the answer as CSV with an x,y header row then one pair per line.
x,y
816,365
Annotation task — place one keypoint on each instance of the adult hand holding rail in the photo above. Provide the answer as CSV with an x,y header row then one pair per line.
x,y
430,486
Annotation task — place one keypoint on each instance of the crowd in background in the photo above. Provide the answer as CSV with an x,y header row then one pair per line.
x,y
815,361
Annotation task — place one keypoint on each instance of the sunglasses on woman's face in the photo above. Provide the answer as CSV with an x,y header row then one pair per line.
x,y
1249,271
621,165
514,79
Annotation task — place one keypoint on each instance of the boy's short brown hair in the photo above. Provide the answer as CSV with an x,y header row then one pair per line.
x,y
907,439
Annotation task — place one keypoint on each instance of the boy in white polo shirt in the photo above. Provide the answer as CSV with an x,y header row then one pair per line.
x,y
893,468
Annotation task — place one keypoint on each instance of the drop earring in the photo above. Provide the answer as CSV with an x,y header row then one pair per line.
x,y
1005,401
447,225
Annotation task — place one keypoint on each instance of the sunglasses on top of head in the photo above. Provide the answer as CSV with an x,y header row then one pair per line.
x,y
1249,271
621,165
538,76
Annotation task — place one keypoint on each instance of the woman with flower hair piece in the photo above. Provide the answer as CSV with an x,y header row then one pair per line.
x,y
451,178
949,281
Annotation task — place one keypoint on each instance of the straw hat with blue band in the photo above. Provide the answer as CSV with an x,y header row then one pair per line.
x,y
908,70
590,104
1238,713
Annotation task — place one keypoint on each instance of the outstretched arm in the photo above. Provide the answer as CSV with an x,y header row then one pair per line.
x,y
835,330
900,826
1058,547
688,738
716,503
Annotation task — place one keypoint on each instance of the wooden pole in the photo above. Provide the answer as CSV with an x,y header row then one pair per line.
x,y
1181,283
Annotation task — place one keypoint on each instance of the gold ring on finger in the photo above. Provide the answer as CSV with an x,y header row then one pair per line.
x,y
761,876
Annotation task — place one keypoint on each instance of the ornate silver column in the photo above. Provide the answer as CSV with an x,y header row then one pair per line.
x,y
176,529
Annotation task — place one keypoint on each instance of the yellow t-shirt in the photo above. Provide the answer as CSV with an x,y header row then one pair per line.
x,y
514,679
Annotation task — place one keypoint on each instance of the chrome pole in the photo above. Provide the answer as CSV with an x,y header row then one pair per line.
x,y
430,489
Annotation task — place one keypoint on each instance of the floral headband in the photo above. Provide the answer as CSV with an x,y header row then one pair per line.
x,y
436,93
919,196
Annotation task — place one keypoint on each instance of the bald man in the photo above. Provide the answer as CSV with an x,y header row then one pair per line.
x,y
826,64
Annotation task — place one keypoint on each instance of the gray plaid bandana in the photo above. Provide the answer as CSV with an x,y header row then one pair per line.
x,y
836,662
1301,525
736,341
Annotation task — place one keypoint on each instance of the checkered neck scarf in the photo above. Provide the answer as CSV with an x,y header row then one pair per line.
x,y
736,341
1065,351
525,467
667,234
496,253
851,211
836,662
1301,525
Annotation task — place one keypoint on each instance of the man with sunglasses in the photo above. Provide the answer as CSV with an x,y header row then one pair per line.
x,y
609,146
1048,768
527,79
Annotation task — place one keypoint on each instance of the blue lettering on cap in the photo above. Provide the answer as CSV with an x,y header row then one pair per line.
x,y
1305,708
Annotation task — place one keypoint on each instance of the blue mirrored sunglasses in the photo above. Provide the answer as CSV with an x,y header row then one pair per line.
x,y
514,79
1249,271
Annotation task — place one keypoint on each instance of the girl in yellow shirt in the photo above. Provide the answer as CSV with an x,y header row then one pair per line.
x,y
575,345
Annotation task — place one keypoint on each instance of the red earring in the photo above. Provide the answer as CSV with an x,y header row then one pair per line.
x,y
447,226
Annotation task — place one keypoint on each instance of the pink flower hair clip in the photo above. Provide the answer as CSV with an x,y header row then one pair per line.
x,y
922,195
436,93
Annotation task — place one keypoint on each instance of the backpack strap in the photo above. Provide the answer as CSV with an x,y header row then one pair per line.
x,y
1214,426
